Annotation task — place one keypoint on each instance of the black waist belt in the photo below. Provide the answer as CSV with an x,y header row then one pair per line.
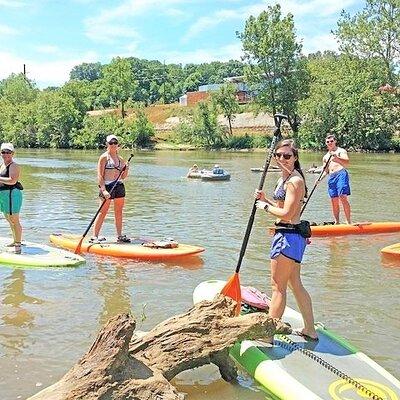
x,y
285,225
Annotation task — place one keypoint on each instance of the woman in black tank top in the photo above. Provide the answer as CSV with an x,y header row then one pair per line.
x,y
11,194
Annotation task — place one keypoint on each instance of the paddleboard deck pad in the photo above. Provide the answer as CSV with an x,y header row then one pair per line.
x,y
37,255
138,249
293,368
362,228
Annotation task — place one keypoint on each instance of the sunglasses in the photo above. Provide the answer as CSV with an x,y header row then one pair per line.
x,y
286,156
6,152
114,142
329,141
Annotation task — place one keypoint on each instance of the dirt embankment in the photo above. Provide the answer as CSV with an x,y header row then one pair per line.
x,y
165,117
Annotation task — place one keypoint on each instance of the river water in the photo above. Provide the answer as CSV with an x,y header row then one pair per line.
x,y
49,317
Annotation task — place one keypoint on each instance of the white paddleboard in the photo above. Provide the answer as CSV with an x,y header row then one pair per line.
x,y
293,368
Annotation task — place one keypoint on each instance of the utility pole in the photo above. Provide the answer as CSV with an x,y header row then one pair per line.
x,y
164,83
25,71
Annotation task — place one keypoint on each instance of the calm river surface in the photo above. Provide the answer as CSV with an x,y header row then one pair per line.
x,y
49,317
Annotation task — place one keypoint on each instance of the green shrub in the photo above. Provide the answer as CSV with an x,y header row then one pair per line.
x,y
240,142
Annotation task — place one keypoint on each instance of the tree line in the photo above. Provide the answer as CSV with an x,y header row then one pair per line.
x,y
353,93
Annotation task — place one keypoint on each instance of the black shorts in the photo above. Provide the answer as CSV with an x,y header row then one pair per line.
x,y
117,193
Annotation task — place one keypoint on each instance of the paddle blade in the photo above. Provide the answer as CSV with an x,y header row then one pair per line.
x,y
79,247
232,290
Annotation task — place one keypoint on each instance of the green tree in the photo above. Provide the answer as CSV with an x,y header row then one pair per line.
x,y
226,100
141,131
372,33
344,100
86,71
95,130
17,89
275,67
119,81
57,119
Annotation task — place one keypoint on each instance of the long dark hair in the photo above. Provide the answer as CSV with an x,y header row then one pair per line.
x,y
290,143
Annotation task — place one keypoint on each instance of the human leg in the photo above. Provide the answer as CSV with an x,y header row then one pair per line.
x,y
335,209
16,230
281,267
303,300
100,218
346,208
118,209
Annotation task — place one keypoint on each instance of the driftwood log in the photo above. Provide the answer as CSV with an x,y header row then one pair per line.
x,y
121,365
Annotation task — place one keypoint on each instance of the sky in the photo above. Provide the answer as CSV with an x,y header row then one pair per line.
x,y
52,36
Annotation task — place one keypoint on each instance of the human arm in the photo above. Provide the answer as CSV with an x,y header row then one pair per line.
x,y
325,161
101,165
14,172
125,168
260,195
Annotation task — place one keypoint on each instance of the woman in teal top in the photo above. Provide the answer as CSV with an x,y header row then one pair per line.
x,y
11,193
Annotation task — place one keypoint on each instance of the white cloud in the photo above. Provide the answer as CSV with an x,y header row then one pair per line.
x,y
109,24
319,43
12,3
175,13
48,73
229,52
7,30
299,8
204,23
47,49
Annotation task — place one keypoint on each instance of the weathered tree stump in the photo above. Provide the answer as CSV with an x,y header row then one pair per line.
x,y
120,365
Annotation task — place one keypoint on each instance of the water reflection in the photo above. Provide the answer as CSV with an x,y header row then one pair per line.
x,y
114,290
389,261
17,320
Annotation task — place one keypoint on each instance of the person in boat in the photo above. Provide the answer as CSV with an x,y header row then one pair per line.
x,y
109,166
338,181
11,194
217,170
288,244
193,169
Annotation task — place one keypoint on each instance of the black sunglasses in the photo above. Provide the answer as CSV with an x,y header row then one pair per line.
x,y
330,141
286,156
113,142
6,152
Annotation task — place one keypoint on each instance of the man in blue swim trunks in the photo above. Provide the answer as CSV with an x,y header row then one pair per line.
x,y
338,181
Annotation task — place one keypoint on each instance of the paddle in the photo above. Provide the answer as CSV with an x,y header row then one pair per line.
x,y
232,287
316,183
78,248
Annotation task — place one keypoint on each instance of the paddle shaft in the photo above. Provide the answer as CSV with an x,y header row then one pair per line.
x,y
278,120
316,183
104,201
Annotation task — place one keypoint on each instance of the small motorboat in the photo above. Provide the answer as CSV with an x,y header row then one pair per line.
x,y
216,174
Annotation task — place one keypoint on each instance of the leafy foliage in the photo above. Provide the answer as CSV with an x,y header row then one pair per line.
x,y
226,100
275,67
373,33
345,100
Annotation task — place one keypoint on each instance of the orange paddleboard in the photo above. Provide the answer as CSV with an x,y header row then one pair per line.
x,y
392,250
125,250
362,228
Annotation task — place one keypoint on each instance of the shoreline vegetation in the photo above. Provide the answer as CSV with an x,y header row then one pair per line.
x,y
353,93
